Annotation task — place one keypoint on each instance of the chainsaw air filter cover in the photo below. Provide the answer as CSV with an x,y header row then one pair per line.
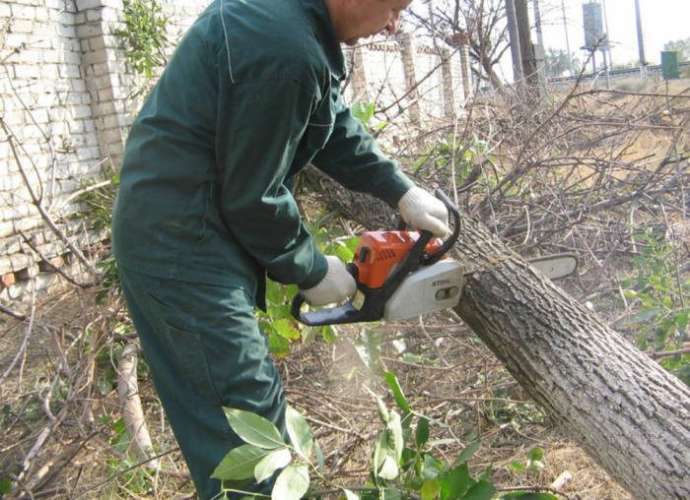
x,y
428,289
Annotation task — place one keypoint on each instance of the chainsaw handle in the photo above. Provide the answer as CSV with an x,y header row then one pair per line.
x,y
347,313
327,316
450,241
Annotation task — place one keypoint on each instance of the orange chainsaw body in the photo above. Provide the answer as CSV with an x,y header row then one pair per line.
x,y
379,252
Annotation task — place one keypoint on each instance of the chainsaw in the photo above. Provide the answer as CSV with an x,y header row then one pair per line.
x,y
403,274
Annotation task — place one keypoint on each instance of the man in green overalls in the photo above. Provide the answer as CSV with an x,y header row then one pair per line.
x,y
204,212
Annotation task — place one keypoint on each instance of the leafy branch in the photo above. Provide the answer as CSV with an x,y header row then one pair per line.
x,y
144,36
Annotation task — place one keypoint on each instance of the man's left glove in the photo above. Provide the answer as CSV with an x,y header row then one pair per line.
x,y
423,211
336,286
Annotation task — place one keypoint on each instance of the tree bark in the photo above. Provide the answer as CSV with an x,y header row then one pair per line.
x,y
626,411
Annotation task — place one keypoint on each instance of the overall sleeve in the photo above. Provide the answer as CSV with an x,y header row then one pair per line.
x,y
259,128
352,158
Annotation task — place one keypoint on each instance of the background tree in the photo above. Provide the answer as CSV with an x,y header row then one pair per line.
x,y
483,23
558,62
682,46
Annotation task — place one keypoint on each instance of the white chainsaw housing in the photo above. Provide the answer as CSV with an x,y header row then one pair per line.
x,y
431,288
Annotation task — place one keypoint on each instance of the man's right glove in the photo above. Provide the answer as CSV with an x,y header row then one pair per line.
x,y
423,211
336,286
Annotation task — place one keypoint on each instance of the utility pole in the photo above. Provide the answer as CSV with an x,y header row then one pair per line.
x,y
640,37
606,49
537,23
539,50
565,30
514,37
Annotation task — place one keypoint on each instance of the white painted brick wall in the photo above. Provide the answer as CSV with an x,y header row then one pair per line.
x,y
67,81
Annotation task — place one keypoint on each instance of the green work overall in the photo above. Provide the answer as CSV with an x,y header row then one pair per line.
x,y
204,211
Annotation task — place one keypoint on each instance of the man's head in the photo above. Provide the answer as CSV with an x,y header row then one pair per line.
x,y
355,19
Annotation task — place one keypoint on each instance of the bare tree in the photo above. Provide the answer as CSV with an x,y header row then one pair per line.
x,y
479,23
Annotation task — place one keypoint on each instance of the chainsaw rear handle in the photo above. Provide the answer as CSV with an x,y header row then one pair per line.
x,y
375,299
328,316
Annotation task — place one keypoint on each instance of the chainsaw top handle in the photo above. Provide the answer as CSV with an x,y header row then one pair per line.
x,y
450,241
375,299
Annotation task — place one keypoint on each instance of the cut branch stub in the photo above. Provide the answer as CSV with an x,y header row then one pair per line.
x,y
627,412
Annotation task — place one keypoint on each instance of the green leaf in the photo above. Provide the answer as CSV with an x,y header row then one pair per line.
x,y
350,495
517,466
535,457
385,463
383,411
422,432
239,463
389,468
398,395
430,490
300,434
409,459
352,243
285,328
343,253
274,293
6,486
277,459
328,334
481,490
280,346
396,433
455,482
292,483
431,467
254,429
468,452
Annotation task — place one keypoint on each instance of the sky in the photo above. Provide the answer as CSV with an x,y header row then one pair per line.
x,y
662,21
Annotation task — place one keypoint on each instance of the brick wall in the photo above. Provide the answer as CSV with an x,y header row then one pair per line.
x,y
66,98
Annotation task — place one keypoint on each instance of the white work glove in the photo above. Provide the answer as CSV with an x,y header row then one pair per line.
x,y
336,286
423,211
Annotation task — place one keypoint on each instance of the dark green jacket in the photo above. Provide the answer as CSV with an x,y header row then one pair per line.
x,y
250,96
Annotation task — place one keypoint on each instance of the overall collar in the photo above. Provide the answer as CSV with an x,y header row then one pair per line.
x,y
325,33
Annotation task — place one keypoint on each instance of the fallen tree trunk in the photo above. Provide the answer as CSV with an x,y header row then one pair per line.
x,y
626,411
